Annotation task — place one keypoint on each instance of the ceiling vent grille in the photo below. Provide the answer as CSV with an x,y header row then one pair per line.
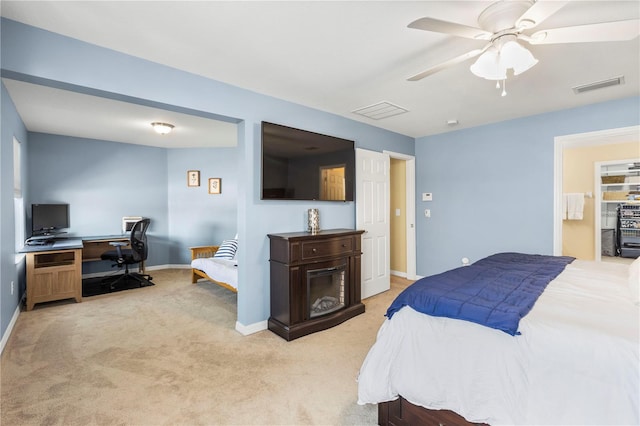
x,y
380,110
598,85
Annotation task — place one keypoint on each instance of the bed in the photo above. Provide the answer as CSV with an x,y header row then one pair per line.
x,y
572,359
208,263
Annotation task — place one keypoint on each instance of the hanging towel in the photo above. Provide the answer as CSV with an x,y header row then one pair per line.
x,y
575,205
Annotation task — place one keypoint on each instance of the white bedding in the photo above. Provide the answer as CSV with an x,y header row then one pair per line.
x,y
223,270
577,361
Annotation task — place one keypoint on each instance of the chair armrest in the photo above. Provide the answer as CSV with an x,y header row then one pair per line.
x,y
203,251
118,245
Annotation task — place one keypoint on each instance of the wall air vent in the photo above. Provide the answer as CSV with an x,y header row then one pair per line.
x,y
380,110
598,84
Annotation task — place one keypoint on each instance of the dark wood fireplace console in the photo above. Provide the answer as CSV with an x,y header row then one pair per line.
x,y
297,257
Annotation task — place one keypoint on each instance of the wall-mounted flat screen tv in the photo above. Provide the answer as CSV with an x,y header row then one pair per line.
x,y
302,165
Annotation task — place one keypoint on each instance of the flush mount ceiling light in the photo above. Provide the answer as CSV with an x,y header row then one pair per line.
x,y
162,128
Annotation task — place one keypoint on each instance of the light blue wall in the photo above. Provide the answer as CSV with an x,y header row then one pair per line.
x,y
38,56
196,217
11,126
493,185
103,181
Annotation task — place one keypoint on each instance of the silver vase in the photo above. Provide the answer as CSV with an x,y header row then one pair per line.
x,y
313,221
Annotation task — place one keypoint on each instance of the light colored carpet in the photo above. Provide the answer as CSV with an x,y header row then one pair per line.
x,y
169,355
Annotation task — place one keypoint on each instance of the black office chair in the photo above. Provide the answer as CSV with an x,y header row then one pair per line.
x,y
136,254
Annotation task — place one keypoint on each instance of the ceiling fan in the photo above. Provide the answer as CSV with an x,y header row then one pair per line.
x,y
504,23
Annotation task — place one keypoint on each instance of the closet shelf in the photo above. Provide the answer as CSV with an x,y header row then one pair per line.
x,y
626,172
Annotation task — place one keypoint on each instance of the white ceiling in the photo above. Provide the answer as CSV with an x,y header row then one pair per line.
x,y
331,55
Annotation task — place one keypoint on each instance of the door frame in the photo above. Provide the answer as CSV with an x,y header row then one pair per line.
x,y
601,137
410,209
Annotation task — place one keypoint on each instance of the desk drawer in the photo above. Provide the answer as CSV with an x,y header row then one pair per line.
x,y
329,247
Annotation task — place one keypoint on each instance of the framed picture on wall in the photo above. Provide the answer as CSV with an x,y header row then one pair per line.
x,y
193,178
215,185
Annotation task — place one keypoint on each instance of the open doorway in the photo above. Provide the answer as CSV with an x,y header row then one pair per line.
x,y
402,215
585,150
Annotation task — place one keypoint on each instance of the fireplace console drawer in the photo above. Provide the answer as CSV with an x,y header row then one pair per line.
x,y
329,247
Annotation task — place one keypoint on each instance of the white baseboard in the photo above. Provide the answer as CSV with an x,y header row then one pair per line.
x,y
245,330
172,266
12,323
404,275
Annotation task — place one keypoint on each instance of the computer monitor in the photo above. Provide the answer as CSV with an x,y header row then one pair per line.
x,y
49,219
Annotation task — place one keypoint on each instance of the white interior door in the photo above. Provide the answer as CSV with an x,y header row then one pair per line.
x,y
372,215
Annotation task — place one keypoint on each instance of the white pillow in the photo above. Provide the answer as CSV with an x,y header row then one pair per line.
x,y
227,249
634,281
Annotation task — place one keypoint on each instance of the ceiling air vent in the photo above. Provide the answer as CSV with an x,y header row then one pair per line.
x,y
598,84
380,110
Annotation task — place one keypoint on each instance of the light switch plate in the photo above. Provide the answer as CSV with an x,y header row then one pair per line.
x,y
427,196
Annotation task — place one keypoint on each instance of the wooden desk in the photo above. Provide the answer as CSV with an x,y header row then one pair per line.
x,y
54,271
93,247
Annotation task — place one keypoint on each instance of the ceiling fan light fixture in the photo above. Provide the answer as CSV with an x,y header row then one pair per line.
x,y
493,64
515,56
488,66
162,128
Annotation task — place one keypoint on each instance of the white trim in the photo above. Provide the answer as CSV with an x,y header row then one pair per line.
x,y
12,323
557,197
398,274
410,187
601,137
170,266
246,330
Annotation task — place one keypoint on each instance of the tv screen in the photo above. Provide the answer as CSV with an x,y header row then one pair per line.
x,y
302,165
49,218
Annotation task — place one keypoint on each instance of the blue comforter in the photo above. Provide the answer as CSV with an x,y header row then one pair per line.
x,y
496,291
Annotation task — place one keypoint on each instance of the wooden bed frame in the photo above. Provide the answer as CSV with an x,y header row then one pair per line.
x,y
403,413
196,274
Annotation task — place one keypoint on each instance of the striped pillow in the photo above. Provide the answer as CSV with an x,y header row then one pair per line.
x,y
227,249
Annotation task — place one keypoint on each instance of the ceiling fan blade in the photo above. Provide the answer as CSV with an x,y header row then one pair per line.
x,y
538,12
447,64
604,31
438,26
